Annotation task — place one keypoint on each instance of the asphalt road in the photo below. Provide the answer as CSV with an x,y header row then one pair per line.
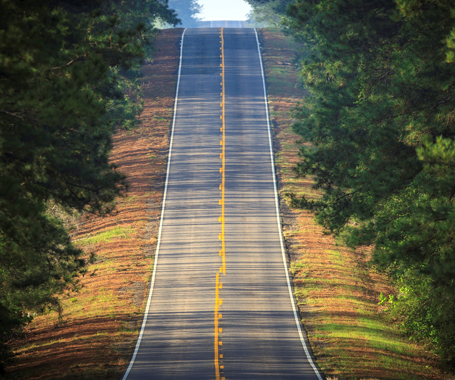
x,y
223,23
207,320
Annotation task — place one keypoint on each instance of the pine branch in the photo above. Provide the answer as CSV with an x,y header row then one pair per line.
x,y
12,114
80,58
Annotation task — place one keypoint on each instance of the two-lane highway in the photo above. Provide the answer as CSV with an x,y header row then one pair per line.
x,y
220,305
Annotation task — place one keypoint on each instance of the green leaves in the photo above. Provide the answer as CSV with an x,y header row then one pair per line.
x,y
438,156
68,79
187,11
379,118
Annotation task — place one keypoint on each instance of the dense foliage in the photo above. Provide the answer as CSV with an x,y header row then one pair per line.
x,y
380,119
267,12
67,81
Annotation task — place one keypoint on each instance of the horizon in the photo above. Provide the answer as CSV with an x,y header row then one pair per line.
x,y
215,10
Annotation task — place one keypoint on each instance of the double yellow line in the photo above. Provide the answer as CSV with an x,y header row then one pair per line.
x,y
219,285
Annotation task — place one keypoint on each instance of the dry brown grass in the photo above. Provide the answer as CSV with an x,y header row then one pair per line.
x,y
101,321
336,291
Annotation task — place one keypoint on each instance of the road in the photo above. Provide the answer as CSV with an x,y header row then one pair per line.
x,y
223,23
220,307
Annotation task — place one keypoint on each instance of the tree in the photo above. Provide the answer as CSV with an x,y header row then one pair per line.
x,y
267,12
187,11
380,121
67,81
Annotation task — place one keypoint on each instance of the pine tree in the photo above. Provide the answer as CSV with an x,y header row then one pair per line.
x,y
267,12
380,121
187,11
65,69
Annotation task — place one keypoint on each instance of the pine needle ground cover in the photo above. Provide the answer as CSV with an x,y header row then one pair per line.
x,y
100,324
337,293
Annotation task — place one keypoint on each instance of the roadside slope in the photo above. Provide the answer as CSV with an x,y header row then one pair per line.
x,y
96,336
336,292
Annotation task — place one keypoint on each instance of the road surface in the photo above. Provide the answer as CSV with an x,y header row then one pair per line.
x,y
223,23
220,307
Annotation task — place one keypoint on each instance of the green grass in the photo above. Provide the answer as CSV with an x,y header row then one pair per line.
x,y
106,236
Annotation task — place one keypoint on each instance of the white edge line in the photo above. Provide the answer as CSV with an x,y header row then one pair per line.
x,y
297,322
152,283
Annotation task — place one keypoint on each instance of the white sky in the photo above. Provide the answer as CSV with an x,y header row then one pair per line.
x,y
224,9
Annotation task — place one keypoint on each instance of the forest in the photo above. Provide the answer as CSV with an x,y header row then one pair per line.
x,y
68,74
379,120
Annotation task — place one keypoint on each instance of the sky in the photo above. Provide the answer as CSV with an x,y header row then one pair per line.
x,y
224,10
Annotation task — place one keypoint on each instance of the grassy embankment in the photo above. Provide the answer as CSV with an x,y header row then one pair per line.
x,y
101,321
336,292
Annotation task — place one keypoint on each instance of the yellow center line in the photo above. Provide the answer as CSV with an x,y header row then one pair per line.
x,y
223,153
217,359
219,285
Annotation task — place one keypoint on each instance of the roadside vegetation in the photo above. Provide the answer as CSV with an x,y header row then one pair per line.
x,y
69,80
375,155
88,327
92,334
338,294
188,12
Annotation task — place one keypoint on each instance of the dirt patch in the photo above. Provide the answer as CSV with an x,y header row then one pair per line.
x,y
336,292
100,323
135,292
